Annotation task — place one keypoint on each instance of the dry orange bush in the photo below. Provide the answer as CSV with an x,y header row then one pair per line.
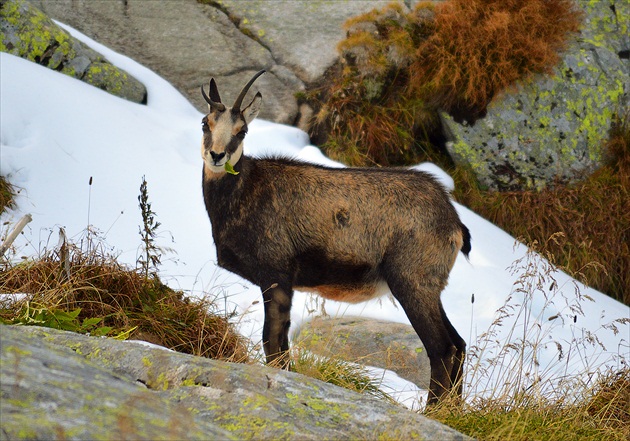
x,y
481,47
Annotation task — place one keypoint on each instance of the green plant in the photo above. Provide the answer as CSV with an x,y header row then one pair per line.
x,y
150,258
42,315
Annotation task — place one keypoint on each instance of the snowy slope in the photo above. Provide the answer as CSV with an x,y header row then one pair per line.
x,y
57,132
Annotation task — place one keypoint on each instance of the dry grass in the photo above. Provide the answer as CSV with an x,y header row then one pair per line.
x,y
610,402
366,114
7,194
516,386
89,279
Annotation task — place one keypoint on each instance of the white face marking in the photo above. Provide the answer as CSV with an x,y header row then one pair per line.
x,y
223,135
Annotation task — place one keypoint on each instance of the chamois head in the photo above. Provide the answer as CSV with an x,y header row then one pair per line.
x,y
224,129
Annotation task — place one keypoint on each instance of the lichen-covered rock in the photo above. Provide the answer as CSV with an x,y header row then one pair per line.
x,y
61,385
550,128
29,33
378,343
607,23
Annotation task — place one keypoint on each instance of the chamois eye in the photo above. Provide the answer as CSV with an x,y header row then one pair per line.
x,y
241,134
204,126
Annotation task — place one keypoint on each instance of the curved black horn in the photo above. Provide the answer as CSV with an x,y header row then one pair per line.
x,y
239,100
217,106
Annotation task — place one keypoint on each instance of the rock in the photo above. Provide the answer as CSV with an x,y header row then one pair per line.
x,y
302,36
607,24
551,129
378,343
30,34
187,42
60,385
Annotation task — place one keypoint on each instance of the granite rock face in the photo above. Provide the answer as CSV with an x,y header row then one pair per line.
x,y
28,33
188,41
61,385
551,128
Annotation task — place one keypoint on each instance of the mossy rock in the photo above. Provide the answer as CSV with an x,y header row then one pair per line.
x,y
607,24
28,33
550,129
61,385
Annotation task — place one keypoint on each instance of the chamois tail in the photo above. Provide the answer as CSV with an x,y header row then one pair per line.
x,y
466,247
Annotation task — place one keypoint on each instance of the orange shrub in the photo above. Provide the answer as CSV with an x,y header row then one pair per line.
x,y
480,47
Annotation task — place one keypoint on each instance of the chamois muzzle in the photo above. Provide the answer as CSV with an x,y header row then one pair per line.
x,y
217,157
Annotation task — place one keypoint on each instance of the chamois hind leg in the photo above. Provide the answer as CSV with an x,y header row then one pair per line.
x,y
277,302
421,302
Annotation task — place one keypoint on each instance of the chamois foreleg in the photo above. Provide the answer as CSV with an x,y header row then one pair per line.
x,y
277,300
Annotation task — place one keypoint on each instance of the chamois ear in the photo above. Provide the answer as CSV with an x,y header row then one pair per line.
x,y
251,111
214,91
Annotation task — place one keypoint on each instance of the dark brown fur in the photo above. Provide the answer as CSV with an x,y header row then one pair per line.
x,y
283,224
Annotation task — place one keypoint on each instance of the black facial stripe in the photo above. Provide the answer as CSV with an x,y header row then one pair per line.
x,y
233,144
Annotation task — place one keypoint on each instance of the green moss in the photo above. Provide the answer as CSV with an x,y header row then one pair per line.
x,y
106,76
28,33
188,382
37,38
246,424
162,382
16,351
329,414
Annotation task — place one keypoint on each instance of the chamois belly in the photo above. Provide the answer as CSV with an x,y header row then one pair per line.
x,y
338,279
348,293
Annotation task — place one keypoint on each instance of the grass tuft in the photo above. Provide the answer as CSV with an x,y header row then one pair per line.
x,y
515,390
7,194
72,287
339,372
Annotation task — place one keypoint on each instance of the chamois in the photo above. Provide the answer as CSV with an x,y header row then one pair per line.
x,y
283,224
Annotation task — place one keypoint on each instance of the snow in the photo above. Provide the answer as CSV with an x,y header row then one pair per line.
x,y
57,133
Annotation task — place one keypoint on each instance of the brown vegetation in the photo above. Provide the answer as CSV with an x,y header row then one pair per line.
x,y
7,194
480,47
129,304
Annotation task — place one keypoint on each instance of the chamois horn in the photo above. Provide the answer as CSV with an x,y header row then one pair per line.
x,y
239,100
214,92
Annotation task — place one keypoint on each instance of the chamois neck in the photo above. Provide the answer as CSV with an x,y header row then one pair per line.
x,y
224,185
